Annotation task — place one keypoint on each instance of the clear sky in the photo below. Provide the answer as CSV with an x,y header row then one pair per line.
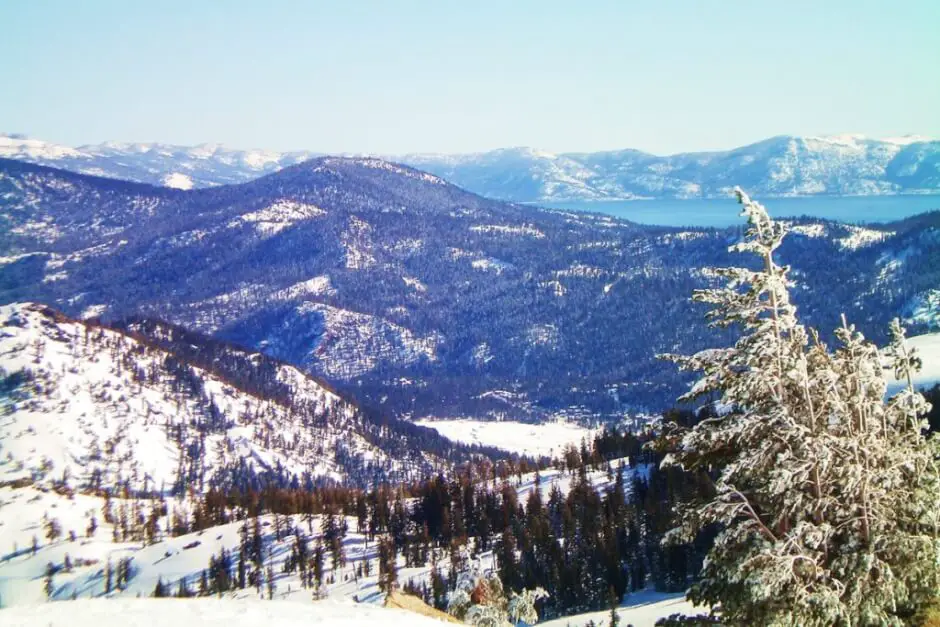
x,y
396,76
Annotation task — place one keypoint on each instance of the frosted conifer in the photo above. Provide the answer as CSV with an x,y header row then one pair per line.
x,y
827,495
479,599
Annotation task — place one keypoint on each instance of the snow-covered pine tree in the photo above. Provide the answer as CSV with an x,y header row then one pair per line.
x,y
479,599
827,494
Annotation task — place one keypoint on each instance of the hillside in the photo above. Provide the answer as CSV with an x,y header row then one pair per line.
x,y
422,299
833,165
95,408
176,539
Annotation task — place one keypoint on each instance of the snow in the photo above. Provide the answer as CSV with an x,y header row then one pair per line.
x,y
19,148
861,237
809,230
259,159
928,349
380,164
349,602
490,264
172,559
582,271
277,216
518,437
924,308
177,180
209,611
906,140
505,229
557,288
414,284
316,286
641,609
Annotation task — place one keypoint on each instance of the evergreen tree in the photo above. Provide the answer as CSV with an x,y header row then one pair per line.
x,y
272,586
828,496
183,591
48,585
53,529
317,562
159,590
388,569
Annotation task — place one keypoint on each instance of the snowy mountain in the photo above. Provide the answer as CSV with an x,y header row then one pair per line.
x,y
420,298
103,408
779,166
182,167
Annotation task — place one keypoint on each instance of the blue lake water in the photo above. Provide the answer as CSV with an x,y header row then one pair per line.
x,y
721,213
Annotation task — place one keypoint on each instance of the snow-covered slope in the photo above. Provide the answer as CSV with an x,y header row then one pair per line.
x,y
548,438
94,407
223,613
170,559
841,165
96,534
642,609
350,600
254,612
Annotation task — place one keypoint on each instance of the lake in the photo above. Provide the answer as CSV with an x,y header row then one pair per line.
x,y
721,213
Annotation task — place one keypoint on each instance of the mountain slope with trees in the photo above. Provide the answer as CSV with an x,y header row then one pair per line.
x,y
95,408
418,297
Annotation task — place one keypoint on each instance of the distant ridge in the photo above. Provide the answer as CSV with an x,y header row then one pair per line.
x,y
779,166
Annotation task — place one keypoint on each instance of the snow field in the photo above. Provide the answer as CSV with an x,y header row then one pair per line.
x,y
547,439
205,611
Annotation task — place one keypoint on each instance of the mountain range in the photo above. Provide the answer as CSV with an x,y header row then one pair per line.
x,y
420,299
779,166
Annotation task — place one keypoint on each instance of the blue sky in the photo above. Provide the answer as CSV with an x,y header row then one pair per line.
x,y
400,76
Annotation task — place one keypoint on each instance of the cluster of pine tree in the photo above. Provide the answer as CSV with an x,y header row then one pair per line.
x,y
586,547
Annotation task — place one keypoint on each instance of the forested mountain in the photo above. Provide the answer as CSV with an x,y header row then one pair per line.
x,y
587,529
785,165
162,411
418,297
